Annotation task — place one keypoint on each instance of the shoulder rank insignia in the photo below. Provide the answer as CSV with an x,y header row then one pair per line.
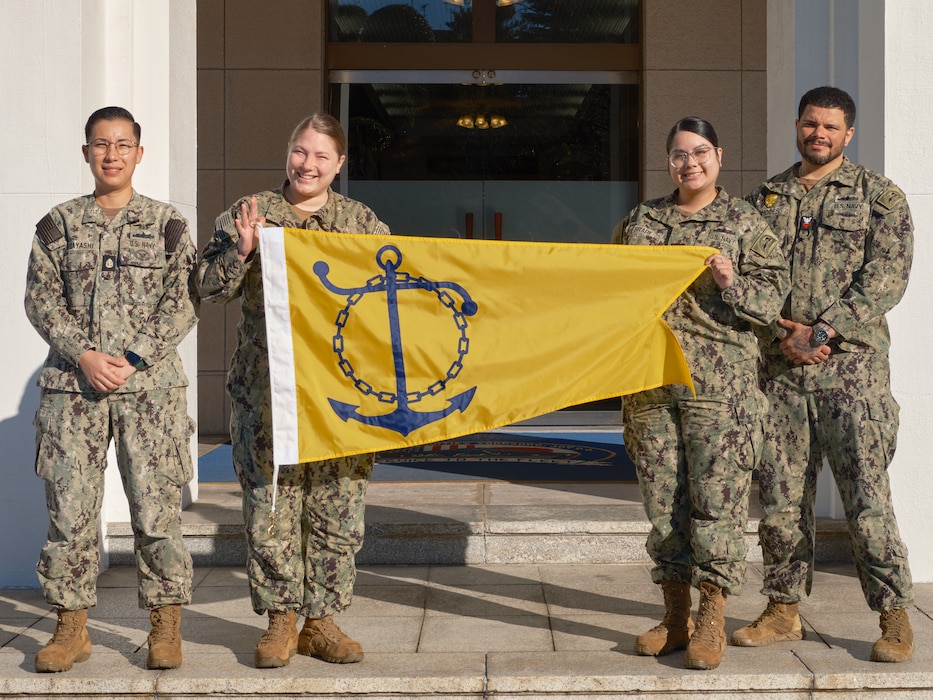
x,y
890,198
770,200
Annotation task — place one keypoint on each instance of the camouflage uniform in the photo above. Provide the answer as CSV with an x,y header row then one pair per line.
x,y
694,456
305,559
849,241
113,286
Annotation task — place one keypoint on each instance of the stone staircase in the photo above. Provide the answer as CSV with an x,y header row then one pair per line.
x,y
468,522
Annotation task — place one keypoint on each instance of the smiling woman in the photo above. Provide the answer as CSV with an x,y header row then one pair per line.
x,y
301,553
694,453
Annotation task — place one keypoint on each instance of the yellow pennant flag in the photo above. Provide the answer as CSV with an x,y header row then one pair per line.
x,y
383,342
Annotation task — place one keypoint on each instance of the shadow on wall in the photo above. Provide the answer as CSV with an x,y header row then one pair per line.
x,y
23,519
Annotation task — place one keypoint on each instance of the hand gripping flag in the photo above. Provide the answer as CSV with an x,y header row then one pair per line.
x,y
383,342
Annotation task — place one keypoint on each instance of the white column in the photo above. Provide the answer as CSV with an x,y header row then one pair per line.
x,y
877,52
908,115
62,60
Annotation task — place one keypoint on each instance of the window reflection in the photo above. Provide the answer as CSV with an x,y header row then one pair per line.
x,y
430,21
517,21
568,22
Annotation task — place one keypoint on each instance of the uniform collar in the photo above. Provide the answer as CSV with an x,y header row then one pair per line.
x,y
786,182
131,213
714,211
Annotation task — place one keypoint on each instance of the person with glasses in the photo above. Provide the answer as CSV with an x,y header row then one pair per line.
x,y
694,452
303,531
108,289
849,237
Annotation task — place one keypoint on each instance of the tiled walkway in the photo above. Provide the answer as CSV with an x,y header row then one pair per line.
x,y
510,631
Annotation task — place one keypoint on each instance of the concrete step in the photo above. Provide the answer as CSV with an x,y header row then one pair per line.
x,y
468,522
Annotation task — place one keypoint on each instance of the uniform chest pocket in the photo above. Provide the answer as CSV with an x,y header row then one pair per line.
x,y
844,215
845,227
141,272
79,273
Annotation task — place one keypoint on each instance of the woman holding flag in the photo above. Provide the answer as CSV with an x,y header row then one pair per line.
x,y
303,531
694,454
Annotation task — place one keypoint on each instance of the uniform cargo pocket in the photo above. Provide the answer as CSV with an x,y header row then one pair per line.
x,y
178,430
142,270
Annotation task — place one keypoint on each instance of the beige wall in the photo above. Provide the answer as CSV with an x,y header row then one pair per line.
x,y
259,74
706,58
260,71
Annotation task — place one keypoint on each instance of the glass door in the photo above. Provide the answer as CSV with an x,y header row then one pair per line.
x,y
510,155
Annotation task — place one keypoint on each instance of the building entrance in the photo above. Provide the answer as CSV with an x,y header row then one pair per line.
x,y
506,155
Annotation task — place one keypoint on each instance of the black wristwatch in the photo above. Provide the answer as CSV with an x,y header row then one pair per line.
x,y
135,360
820,334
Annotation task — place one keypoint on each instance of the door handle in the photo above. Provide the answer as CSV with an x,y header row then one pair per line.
x,y
469,225
498,224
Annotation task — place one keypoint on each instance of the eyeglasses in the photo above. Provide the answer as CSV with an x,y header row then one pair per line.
x,y
101,146
679,159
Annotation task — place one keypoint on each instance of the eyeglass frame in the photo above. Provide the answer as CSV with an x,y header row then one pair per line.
x,y
685,155
101,147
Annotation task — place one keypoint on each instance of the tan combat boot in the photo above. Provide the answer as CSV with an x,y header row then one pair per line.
x,y
323,639
708,642
897,638
165,637
277,646
780,622
675,629
69,644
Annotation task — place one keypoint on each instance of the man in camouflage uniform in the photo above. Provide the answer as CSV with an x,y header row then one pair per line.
x,y
108,290
302,530
849,241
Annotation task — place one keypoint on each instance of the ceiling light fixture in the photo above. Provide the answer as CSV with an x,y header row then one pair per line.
x,y
479,121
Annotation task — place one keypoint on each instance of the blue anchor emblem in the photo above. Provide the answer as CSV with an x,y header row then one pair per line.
x,y
402,419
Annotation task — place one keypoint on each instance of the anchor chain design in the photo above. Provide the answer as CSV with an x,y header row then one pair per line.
x,y
403,419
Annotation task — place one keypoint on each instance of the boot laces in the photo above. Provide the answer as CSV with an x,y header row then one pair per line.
x,y
892,626
66,630
329,630
770,612
164,624
278,629
676,608
706,630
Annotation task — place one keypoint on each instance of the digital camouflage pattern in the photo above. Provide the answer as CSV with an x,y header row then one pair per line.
x,y
303,558
694,456
151,431
113,286
849,241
